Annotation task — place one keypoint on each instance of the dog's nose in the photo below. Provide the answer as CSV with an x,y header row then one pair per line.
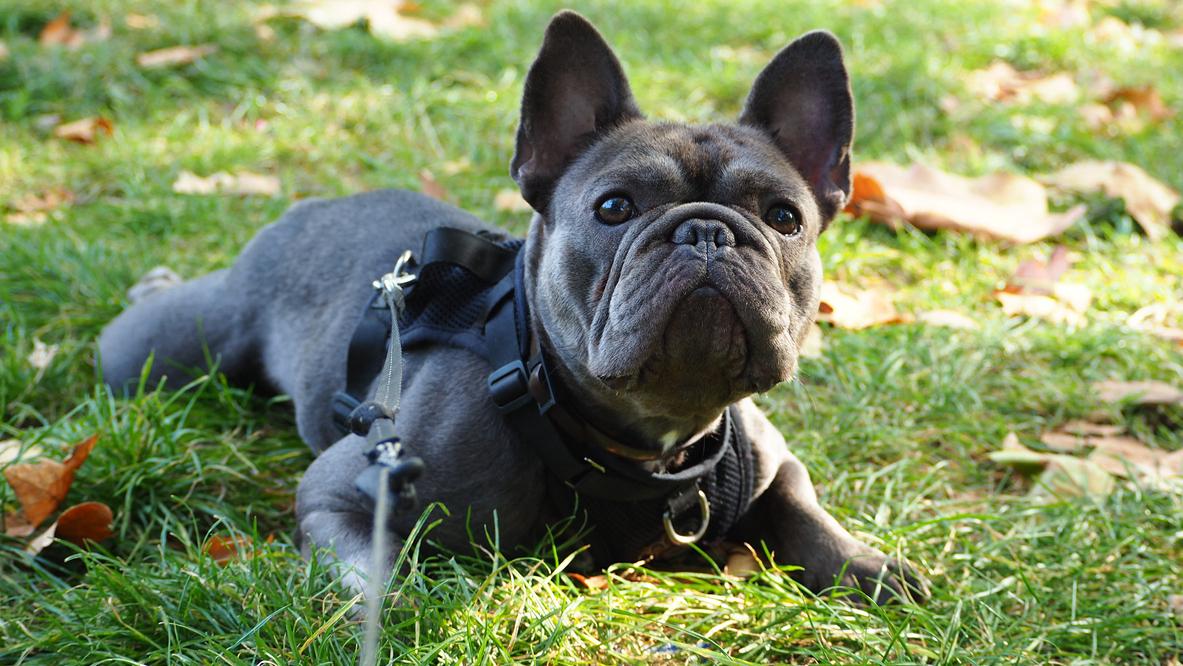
x,y
704,234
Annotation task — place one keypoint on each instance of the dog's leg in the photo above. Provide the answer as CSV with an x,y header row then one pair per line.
x,y
180,325
787,517
336,519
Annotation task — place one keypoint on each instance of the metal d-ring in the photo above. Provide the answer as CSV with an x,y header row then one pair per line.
x,y
704,509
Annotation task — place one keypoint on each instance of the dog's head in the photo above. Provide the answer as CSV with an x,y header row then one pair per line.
x,y
675,265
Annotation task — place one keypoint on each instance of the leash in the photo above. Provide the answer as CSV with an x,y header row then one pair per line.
x,y
389,477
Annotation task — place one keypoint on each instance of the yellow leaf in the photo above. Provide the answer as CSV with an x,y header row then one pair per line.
x,y
173,56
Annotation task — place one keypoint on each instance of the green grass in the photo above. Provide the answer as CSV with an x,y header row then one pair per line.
x,y
894,422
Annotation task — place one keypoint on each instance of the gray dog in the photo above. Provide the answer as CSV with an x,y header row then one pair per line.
x,y
670,272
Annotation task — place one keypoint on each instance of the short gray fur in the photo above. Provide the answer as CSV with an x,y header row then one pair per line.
x,y
657,324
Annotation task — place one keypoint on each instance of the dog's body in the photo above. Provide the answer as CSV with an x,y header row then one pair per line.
x,y
670,272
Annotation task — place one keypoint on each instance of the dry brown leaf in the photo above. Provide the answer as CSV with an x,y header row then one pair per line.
x,y
88,521
1040,277
86,130
224,550
40,487
1139,392
742,562
846,307
16,525
33,208
597,582
1000,82
157,279
59,32
1143,99
432,187
999,206
141,21
1147,200
42,541
386,18
174,55
242,183
467,15
948,319
1155,319
510,200
1060,475
1175,605
1040,307
3,51
1035,291
11,451
42,354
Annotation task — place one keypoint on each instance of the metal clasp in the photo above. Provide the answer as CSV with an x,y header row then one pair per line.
x,y
400,276
704,510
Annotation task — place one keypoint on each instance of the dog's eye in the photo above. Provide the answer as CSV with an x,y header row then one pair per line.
x,y
785,219
615,209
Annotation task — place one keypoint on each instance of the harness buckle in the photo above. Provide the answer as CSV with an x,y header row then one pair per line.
x,y
671,532
509,386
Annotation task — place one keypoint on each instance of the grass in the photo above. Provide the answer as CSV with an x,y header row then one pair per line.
x,y
894,422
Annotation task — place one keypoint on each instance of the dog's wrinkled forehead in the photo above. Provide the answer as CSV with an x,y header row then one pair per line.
x,y
666,163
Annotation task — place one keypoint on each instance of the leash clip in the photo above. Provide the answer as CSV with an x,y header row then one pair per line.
x,y
391,285
671,532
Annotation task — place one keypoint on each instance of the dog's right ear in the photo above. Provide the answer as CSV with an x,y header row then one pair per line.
x,y
575,90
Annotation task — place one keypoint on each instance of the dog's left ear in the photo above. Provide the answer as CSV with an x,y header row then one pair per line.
x,y
803,99
575,90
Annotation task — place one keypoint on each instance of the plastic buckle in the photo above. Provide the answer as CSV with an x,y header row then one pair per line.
x,y
509,386
342,406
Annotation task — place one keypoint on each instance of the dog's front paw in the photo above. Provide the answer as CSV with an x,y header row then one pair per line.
x,y
883,579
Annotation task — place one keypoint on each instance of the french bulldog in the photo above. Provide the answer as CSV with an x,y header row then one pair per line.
x,y
671,273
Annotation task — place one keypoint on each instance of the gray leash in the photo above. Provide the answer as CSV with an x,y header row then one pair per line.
x,y
390,471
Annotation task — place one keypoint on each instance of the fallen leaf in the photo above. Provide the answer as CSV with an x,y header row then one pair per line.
x,y
1115,452
1039,307
1153,319
88,521
174,55
40,487
597,582
385,18
1060,475
141,21
11,451
999,206
42,354
432,187
42,541
948,319
1000,82
86,130
1141,392
59,32
17,526
241,183
224,550
3,51
1148,201
1175,605
1143,99
1035,291
1064,15
467,15
854,309
1040,277
742,563
33,208
510,200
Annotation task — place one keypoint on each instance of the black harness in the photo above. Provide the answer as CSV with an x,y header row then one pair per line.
x,y
468,293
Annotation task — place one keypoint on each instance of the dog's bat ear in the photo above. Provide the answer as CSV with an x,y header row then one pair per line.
x,y
803,100
575,90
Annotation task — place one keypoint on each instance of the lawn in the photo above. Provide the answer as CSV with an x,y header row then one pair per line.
x,y
895,422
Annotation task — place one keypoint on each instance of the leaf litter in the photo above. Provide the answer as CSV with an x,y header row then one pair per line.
x,y
1036,291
